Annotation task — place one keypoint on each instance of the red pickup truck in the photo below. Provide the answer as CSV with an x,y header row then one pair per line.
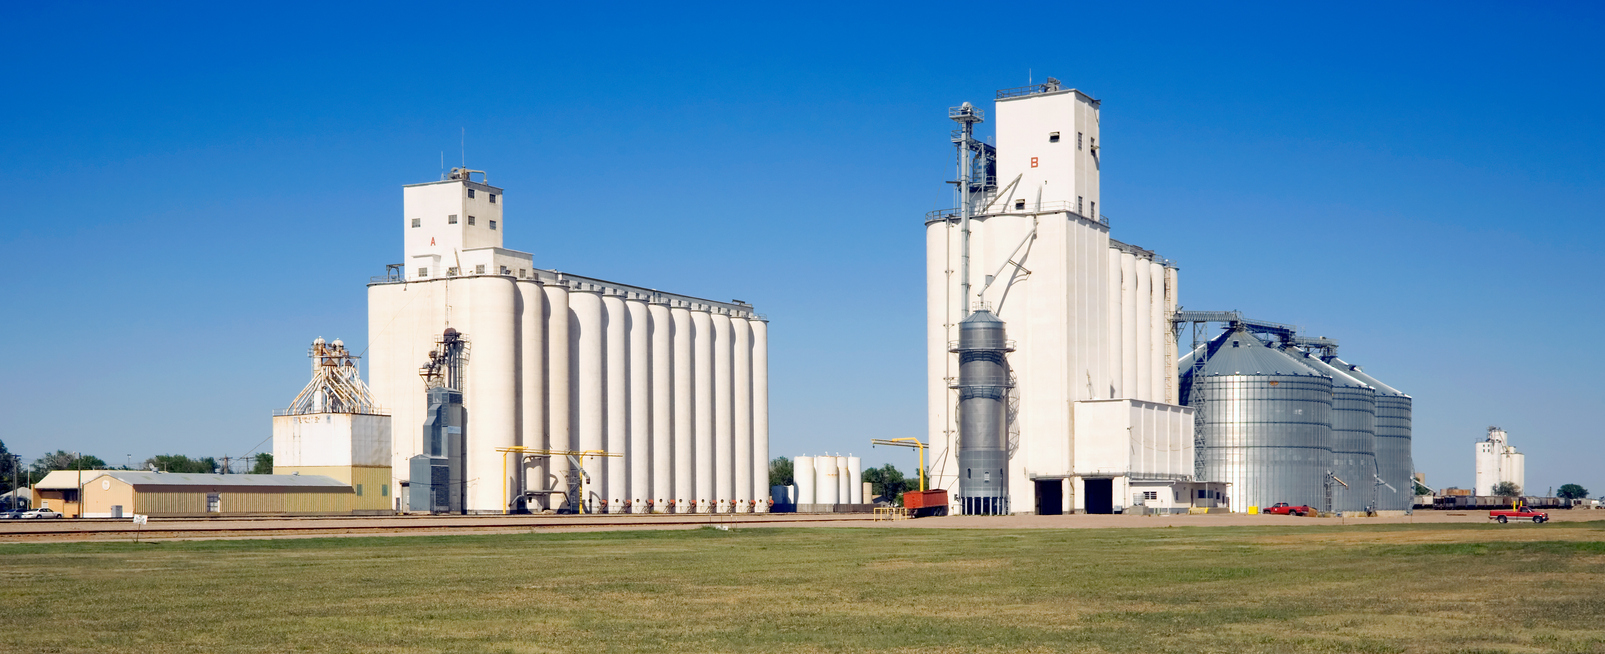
x,y
1504,515
1283,508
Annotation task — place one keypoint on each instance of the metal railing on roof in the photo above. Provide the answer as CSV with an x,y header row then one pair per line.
x,y
1031,208
1046,87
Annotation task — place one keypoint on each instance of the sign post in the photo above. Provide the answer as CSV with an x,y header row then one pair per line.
x,y
139,523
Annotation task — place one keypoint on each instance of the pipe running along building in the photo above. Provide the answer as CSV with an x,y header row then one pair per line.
x,y
663,399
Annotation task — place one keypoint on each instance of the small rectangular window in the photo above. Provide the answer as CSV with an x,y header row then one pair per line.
x,y
1053,137
384,490
520,273
493,224
417,222
1019,205
1078,140
470,220
1150,495
1078,204
1094,211
479,269
470,193
493,198
359,490
1093,144
423,272
451,220
505,271
451,272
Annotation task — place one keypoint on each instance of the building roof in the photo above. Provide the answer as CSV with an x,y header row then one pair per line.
x,y
1238,352
65,479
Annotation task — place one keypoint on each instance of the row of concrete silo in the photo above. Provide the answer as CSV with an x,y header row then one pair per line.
x,y
673,389
1281,424
828,479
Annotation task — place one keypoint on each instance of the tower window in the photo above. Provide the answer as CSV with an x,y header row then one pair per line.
x,y
451,272
423,272
505,271
470,220
520,273
493,198
479,269
1078,140
1019,205
1095,145
493,224
1078,204
1053,137
1094,210
417,222
451,220
470,193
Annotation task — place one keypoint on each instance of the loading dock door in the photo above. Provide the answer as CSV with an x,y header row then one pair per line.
x,y
1050,497
1100,495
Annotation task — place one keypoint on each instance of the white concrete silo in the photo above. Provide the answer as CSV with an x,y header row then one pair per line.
x,y
741,413
639,439
760,406
723,422
493,421
855,480
1143,329
532,385
590,392
616,359
1115,311
685,451
1158,333
702,385
1128,324
1172,292
558,434
662,327
803,472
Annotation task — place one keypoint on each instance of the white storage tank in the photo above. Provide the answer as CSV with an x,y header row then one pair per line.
x,y
855,477
828,489
802,471
844,491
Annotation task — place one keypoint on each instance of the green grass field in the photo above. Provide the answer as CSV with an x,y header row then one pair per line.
x,y
1406,588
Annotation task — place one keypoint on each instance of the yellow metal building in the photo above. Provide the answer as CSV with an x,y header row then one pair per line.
x,y
122,493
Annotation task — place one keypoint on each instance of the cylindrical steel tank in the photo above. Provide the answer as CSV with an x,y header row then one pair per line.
x,y
741,371
826,480
802,471
724,444
1395,464
639,440
685,450
616,479
983,387
588,379
702,343
558,397
1266,423
662,326
1353,442
760,405
844,480
855,479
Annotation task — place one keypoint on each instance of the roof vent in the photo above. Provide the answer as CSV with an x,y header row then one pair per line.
x,y
1234,344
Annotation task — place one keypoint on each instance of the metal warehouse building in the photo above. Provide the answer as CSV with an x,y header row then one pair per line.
x,y
122,493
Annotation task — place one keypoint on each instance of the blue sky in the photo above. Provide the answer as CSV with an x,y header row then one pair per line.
x,y
192,193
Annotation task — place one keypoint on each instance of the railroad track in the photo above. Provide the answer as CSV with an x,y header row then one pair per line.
x,y
358,525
